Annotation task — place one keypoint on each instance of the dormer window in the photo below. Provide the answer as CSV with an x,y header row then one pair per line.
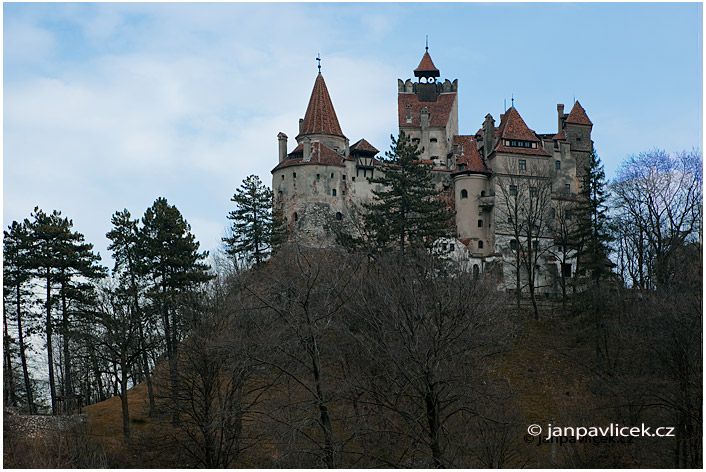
x,y
520,144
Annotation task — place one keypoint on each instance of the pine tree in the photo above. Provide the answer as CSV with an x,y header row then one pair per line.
x,y
16,293
129,271
592,233
252,222
409,209
175,270
65,262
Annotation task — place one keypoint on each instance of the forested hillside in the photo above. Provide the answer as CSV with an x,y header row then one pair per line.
x,y
372,354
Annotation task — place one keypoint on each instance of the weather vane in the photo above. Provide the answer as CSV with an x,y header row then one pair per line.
x,y
318,58
427,48
512,100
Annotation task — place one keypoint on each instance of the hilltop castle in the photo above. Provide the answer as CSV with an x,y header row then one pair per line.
x,y
491,178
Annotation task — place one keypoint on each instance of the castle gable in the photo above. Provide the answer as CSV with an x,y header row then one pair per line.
x,y
515,137
578,115
409,110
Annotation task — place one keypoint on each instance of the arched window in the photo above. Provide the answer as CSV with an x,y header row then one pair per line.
x,y
333,192
480,244
296,217
464,193
339,215
482,193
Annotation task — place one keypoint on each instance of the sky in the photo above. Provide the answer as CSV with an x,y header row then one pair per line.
x,y
111,105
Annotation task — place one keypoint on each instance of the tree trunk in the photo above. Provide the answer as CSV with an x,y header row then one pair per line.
x,y
10,398
123,394
433,421
23,357
50,349
533,296
97,374
174,367
68,385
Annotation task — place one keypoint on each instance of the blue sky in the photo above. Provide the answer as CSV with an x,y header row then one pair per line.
x,y
109,106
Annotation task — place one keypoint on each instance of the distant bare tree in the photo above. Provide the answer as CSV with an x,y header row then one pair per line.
x,y
658,201
299,299
563,225
423,332
523,212
218,385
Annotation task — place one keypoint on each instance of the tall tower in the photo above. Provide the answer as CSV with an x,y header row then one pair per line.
x,y
428,112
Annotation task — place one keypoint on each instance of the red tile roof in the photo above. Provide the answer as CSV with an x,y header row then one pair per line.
x,y
363,145
320,154
560,136
439,111
578,115
467,156
512,126
320,116
426,65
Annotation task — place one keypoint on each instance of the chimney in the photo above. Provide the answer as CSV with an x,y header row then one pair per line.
x,y
488,134
424,118
560,112
306,147
301,125
282,139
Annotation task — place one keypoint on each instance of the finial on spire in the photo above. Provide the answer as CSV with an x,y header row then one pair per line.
x,y
512,100
318,58
427,48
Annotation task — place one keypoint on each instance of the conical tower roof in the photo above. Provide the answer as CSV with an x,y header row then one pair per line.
x,y
320,116
426,67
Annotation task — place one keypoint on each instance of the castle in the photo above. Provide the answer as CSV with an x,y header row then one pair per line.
x,y
508,185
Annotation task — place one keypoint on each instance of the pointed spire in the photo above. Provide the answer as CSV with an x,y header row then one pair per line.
x,y
320,115
578,115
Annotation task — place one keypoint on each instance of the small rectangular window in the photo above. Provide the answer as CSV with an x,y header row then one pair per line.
x,y
318,176
513,244
523,164
294,175
567,188
533,191
333,192
343,177
535,244
557,165
513,190
480,223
